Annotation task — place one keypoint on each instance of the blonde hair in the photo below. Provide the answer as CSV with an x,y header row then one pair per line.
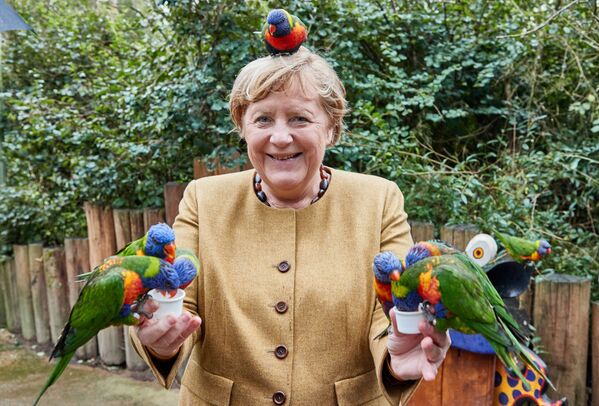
x,y
305,69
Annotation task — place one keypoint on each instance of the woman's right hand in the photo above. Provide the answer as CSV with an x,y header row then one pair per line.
x,y
165,336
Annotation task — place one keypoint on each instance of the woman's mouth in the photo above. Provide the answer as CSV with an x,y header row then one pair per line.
x,y
284,157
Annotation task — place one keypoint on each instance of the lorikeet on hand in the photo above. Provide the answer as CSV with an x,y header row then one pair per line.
x,y
386,267
187,265
112,296
522,250
158,242
283,33
457,294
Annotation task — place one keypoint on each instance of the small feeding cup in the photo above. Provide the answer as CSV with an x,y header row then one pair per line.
x,y
168,305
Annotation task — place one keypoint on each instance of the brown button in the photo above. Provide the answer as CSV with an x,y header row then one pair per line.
x,y
281,307
278,398
281,352
283,266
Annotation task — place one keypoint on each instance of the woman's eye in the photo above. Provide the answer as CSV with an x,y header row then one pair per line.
x,y
262,120
300,119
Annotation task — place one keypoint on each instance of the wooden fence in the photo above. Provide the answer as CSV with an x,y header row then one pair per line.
x,y
37,288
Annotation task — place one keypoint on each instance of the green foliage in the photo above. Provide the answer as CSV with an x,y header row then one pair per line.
x,y
483,112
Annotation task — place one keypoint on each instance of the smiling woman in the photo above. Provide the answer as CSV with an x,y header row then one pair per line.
x,y
285,288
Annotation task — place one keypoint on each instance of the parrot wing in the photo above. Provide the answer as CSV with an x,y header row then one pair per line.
x,y
97,307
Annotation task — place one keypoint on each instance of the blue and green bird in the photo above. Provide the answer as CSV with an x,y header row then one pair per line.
x,y
457,294
111,297
521,249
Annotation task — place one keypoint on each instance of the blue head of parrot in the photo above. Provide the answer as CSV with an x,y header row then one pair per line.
x,y
416,253
161,242
278,23
167,279
544,248
186,270
386,267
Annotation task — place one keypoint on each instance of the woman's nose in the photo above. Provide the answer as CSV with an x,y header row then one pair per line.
x,y
281,135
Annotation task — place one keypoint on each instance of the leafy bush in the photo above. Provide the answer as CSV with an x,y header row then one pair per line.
x,y
483,112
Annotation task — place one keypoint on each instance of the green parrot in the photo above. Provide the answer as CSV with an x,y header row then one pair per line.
x,y
522,250
457,294
111,297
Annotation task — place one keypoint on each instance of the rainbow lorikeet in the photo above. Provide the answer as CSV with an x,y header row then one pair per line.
x,y
283,33
110,297
186,264
457,294
386,267
158,242
521,249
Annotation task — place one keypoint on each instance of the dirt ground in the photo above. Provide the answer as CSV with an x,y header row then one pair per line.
x,y
24,370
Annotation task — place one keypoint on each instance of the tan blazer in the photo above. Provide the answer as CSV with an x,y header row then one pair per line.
x,y
286,296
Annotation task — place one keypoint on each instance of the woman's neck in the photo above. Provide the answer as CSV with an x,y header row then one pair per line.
x,y
292,199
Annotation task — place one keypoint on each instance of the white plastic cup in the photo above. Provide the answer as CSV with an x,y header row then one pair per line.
x,y
408,322
168,305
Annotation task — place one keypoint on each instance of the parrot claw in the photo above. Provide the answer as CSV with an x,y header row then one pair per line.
x,y
138,305
429,312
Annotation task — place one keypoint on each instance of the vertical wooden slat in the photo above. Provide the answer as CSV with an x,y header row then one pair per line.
x,y
13,318
136,220
24,291
152,216
39,295
3,297
122,231
56,288
468,378
459,237
595,353
173,193
102,242
565,301
446,234
77,262
200,169
422,231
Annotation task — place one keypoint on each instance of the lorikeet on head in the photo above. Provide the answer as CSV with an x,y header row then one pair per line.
x,y
112,296
187,265
283,33
386,267
522,250
457,294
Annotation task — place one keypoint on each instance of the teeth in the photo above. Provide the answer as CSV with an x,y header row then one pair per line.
x,y
282,158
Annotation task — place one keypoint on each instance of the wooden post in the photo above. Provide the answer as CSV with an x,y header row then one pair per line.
x,y
24,291
38,293
56,289
200,169
102,242
422,231
173,193
3,297
136,219
595,354
13,320
122,230
77,262
446,234
561,317
152,216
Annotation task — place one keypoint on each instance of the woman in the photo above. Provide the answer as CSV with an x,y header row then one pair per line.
x,y
285,296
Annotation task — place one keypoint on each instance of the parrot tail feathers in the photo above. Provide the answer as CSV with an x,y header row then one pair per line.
x,y
56,372
507,360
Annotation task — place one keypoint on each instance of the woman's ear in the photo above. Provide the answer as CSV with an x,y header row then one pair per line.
x,y
330,136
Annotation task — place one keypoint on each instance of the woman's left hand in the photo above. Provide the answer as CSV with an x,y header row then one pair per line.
x,y
417,355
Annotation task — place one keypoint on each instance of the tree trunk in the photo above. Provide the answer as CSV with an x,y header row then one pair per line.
x,y
77,262
102,242
561,317
24,291
38,293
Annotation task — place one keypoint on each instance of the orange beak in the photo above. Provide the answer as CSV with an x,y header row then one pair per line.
x,y
170,251
548,251
272,28
394,275
171,293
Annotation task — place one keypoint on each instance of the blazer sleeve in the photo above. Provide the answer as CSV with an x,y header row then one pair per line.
x,y
186,235
396,237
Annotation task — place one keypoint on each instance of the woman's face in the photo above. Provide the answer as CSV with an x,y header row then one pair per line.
x,y
286,135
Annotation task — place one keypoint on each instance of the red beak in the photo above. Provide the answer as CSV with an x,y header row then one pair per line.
x,y
170,293
395,275
548,251
272,28
170,251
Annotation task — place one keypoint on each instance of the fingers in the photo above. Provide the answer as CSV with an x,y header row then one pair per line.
x,y
440,339
166,335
